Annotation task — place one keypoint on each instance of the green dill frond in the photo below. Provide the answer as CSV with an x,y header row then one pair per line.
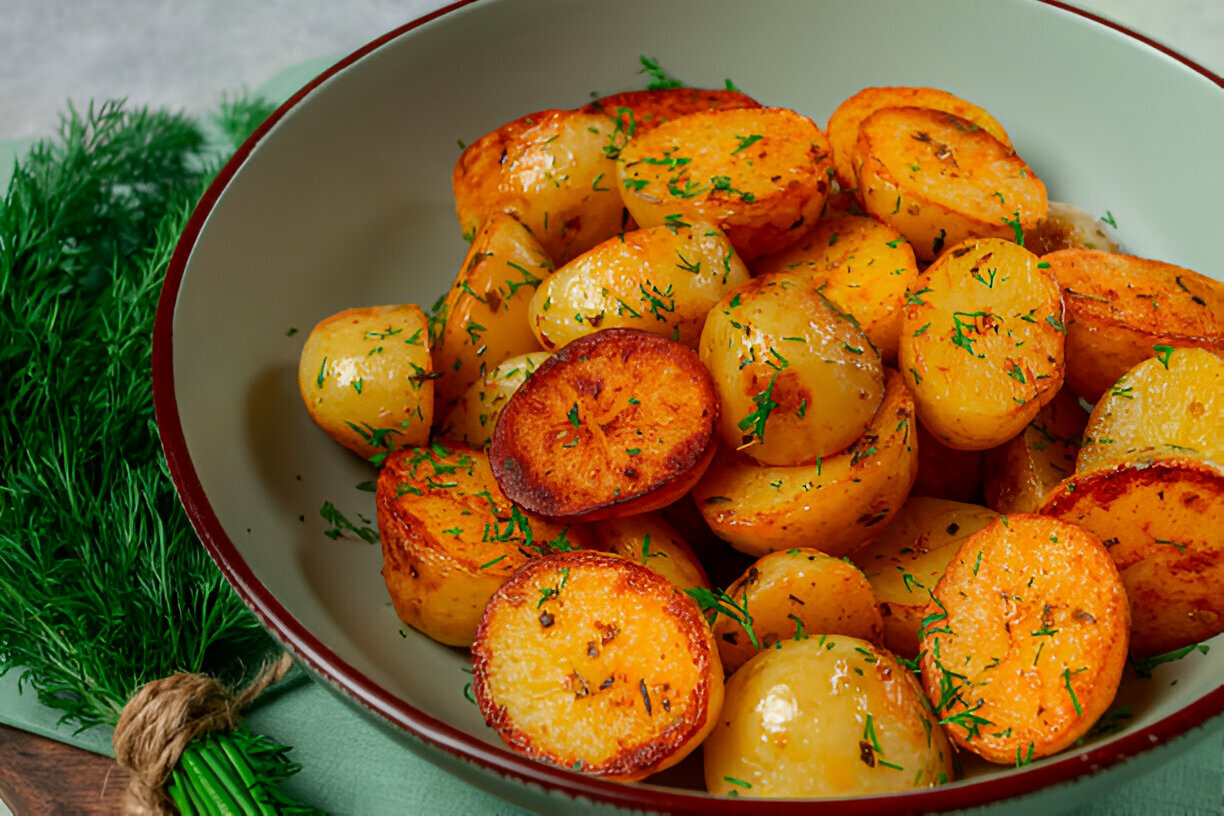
x,y
103,583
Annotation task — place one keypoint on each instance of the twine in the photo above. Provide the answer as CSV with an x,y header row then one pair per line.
x,y
164,716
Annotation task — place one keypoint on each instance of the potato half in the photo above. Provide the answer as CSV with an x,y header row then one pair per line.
x,y
759,174
660,280
484,315
1161,519
595,663
939,179
366,377
615,423
797,379
550,171
1025,638
982,342
824,716
450,538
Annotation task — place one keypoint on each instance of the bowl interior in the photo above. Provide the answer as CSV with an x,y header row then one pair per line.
x,y
345,201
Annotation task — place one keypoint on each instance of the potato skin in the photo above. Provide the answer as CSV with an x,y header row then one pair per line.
x,y
797,593
796,379
764,193
940,180
835,505
1025,638
450,538
824,717
615,423
982,343
548,170
1120,306
661,280
1160,518
485,311
596,663
844,124
366,378
864,266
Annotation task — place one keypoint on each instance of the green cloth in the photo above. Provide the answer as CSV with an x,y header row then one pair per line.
x,y
351,766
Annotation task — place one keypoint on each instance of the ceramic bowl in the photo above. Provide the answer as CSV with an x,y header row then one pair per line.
x,y
342,198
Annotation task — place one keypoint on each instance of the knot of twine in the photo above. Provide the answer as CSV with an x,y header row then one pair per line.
x,y
164,716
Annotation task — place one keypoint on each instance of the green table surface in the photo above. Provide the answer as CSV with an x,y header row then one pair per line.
x,y
351,766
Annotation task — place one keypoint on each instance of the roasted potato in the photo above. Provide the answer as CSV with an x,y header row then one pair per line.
x,y
650,540
366,378
661,280
824,716
1025,638
982,343
474,416
939,180
485,311
1161,519
551,172
615,423
834,505
844,124
796,379
595,663
1171,403
759,174
863,266
908,559
450,538
1021,473
789,595
1122,309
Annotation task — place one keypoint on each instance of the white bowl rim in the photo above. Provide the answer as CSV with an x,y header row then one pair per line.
x,y
489,759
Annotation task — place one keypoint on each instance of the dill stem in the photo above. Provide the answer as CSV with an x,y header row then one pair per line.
x,y
223,767
183,794
216,801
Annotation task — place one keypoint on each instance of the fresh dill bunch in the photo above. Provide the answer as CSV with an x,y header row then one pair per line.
x,y
103,583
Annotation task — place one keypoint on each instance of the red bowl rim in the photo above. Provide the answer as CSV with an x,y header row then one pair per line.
x,y
489,759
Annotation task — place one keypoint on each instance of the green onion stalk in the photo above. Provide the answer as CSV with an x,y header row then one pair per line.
x,y
104,586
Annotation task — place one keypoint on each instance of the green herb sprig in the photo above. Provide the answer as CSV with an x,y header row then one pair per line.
x,y
103,584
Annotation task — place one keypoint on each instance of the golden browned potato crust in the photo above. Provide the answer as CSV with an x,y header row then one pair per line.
x,y
595,663
759,174
615,423
1025,638
939,179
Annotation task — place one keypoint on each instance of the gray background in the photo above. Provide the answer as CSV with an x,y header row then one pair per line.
x,y
186,54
